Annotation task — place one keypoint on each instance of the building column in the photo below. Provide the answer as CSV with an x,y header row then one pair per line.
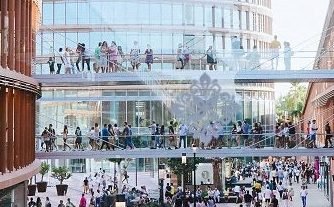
x,y
18,35
3,100
28,40
23,125
4,32
23,37
11,45
17,129
33,121
10,130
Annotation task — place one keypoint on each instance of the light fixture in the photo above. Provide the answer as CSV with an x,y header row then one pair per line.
x,y
184,158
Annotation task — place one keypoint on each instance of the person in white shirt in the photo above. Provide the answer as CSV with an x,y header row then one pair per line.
x,y
183,131
216,195
313,131
267,195
303,194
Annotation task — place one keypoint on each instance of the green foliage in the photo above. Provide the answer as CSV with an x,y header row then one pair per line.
x,y
116,160
292,102
176,166
45,167
61,173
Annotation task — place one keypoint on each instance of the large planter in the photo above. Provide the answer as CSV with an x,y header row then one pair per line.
x,y
61,190
41,186
31,190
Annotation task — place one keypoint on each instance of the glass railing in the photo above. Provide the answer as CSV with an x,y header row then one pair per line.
x,y
147,141
227,60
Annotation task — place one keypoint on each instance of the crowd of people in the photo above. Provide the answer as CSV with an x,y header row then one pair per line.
x,y
110,57
272,183
213,136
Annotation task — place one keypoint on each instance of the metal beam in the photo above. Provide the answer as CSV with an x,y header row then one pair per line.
x,y
156,153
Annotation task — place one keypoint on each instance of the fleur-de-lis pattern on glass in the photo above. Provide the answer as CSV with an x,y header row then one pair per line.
x,y
205,102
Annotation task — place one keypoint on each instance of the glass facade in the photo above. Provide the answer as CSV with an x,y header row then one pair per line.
x,y
138,107
143,21
163,25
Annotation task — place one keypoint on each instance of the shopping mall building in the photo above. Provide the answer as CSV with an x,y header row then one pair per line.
x,y
18,92
164,25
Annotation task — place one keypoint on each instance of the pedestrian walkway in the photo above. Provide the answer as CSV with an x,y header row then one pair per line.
x,y
315,198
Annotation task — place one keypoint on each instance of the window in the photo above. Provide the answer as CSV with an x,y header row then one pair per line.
x,y
155,14
177,14
199,16
189,14
218,17
83,13
166,15
71,13
227,18
95,12
208,16
59,17
143,13
47,13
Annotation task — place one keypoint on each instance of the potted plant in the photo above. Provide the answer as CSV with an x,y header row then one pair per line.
x,y
61,174
31,188
41,186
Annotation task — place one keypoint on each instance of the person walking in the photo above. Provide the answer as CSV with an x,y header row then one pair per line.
x,y
83,201
328,135
303,195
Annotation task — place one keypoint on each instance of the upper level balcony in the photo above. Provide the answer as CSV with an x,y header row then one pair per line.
x,y
236,66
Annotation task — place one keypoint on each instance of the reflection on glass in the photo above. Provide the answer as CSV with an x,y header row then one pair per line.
x,y
47,13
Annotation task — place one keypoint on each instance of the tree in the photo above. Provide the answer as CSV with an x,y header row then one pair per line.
x,y
176,166
45,167
293,102
61,174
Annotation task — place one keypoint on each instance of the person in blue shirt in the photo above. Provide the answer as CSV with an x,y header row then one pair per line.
x,y
105,137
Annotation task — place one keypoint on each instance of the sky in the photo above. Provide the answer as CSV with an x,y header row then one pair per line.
x,y
299,22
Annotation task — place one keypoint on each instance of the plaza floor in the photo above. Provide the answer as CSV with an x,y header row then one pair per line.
x,y
315,197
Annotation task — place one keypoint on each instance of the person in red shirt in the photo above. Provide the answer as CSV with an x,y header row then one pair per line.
x,y
83,201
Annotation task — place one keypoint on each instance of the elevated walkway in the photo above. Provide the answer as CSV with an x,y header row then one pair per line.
x,y
177,153
124,78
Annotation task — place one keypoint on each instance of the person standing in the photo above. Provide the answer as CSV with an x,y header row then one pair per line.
x,y
97,55
78,139
51,63
287,55
183,131
134,56
85,58
153,128
275,46
211,58
59,60
274,201
127,134
313,133
61,203
149,57
113,53
79,52
180,56
105,137
69,203
85,186
303,195
328,135
47,202
65,135
248,199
